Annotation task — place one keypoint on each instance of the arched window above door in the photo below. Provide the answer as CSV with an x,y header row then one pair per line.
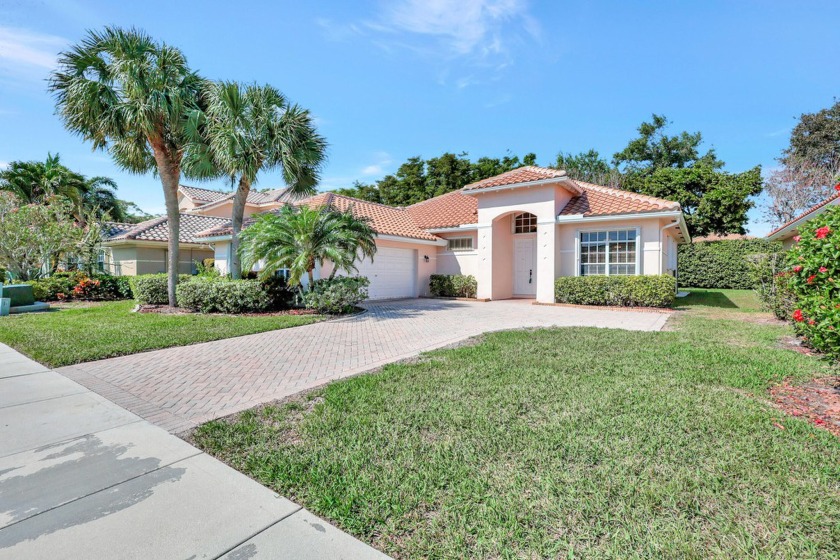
x,y
524,222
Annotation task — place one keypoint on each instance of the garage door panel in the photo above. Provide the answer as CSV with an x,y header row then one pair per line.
x,y
392,273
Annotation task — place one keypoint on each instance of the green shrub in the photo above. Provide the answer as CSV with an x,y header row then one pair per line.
x,y
222,296
337,295
59,286
814,269
623,291
279,293
150,289
453,285
721,264
772,284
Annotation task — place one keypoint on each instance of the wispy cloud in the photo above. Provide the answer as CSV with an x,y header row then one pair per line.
x,y
27,54
382,160
779,132
470,41
481,28
3,165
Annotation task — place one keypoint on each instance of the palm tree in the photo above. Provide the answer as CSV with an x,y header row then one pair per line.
x,y
251,129
300,238
36,181
125,92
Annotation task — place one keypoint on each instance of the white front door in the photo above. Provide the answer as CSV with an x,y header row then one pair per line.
x,y
524,266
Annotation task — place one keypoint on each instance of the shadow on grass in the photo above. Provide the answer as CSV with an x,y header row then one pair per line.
x,y
703,298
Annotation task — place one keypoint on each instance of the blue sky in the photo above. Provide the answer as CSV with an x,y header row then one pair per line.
x,y
389,80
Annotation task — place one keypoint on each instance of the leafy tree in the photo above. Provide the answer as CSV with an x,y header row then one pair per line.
x,y
590,167
654,149
125,92
252,129
417,179
300,238
35,181
816,138
32,235
810,166
713,201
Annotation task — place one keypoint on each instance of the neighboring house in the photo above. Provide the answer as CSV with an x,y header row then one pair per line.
x,y
515,233
786,232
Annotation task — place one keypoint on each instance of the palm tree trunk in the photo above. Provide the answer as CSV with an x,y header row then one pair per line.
x,y
238,215
311,279
170,177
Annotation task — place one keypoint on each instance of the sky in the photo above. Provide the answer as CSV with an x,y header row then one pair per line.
x,y
387,80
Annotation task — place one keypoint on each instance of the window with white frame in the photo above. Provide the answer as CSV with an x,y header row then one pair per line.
x,y
525,223
608,252
100,260
459,244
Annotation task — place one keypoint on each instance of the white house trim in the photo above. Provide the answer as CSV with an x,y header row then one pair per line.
x,y
565,181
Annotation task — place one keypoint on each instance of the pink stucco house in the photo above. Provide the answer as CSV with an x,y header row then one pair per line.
x,y
515,233
790,229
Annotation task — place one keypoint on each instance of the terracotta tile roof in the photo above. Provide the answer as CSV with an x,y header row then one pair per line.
x,y
596,200
214,198
113,229
525,174
806,213
202,195
157,229
386,220
448,210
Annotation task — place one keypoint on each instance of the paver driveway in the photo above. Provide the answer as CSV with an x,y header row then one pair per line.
x,y
179,388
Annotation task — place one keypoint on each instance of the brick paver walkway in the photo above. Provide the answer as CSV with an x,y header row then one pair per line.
x,y
178,388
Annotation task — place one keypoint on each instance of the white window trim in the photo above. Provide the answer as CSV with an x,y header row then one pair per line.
x,y
513,224
460,251
607,267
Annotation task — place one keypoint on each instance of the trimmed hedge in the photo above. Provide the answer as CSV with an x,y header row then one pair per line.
x,y
721,264
223,296
150,289
453,285
621,291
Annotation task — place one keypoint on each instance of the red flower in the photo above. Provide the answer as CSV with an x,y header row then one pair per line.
x,y
797,316
811,278
837,187
812,322
823,269
797,238
797,268
823,232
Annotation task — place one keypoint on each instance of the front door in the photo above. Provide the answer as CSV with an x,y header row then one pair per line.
x,y
524,266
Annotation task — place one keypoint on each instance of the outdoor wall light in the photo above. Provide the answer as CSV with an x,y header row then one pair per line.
x,y
426,258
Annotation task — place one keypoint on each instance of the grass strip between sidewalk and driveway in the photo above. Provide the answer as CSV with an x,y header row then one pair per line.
x,y
82,332
567,442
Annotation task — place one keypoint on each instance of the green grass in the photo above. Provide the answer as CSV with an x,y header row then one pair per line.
x,y
83,332
572,443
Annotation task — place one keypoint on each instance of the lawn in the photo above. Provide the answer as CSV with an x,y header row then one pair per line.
x,y
83,332
573,443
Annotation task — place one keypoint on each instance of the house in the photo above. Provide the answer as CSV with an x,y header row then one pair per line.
x,y
787,231
515,233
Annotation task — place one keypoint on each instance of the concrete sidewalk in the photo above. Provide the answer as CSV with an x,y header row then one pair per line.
x,y
81,477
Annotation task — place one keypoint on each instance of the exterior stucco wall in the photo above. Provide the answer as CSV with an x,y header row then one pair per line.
x,y
648,244
132,260
458,262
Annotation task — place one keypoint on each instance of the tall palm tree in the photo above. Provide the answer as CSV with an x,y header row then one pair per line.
x,y
36,181
252,129
125,92
300,238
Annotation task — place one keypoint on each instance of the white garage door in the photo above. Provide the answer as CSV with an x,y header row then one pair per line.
x,y
392,273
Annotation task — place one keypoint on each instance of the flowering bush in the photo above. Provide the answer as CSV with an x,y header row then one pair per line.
x,y
815,280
